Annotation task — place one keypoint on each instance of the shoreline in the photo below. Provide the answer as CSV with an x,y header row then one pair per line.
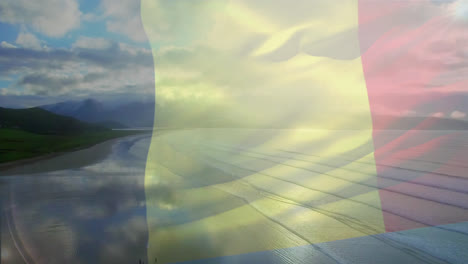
x,y
70,159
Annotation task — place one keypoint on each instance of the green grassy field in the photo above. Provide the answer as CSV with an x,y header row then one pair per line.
x,y
17,144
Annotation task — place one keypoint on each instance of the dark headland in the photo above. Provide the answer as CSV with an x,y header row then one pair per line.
x,y
29,134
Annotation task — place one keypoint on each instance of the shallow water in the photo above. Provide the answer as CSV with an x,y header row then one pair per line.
x,y
97,213
92,214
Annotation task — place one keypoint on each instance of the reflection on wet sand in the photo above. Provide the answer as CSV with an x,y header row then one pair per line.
x,y
237,191
223,196
89,214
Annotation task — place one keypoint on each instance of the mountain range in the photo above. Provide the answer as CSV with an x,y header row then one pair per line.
x,y
141,114
40,121
31,132
133,114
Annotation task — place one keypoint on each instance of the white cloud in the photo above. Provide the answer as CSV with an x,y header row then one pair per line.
x,y
27,40
460,10
92,43
124,18
5,44
90,17
457,114
6,91
53,18
90,67
134,50
438,114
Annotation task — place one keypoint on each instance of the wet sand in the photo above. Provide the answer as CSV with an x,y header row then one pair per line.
x,y
304,196
72,159
86,203
221,193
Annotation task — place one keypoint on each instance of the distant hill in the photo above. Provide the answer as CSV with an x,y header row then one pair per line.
x,y
87,110
40,121
111,124
135,114
33,132
419,123
141,114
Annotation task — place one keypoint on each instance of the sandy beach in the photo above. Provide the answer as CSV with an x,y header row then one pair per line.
x,y
59,161
228,196
275,195
64,198
72,159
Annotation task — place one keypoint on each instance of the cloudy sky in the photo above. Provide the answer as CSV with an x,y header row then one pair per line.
x,y
54,50
273,58
236,52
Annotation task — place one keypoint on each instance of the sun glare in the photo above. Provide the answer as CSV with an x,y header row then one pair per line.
x,y
460,10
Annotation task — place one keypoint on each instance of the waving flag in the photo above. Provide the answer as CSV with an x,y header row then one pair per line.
x,y
281,124
411,66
